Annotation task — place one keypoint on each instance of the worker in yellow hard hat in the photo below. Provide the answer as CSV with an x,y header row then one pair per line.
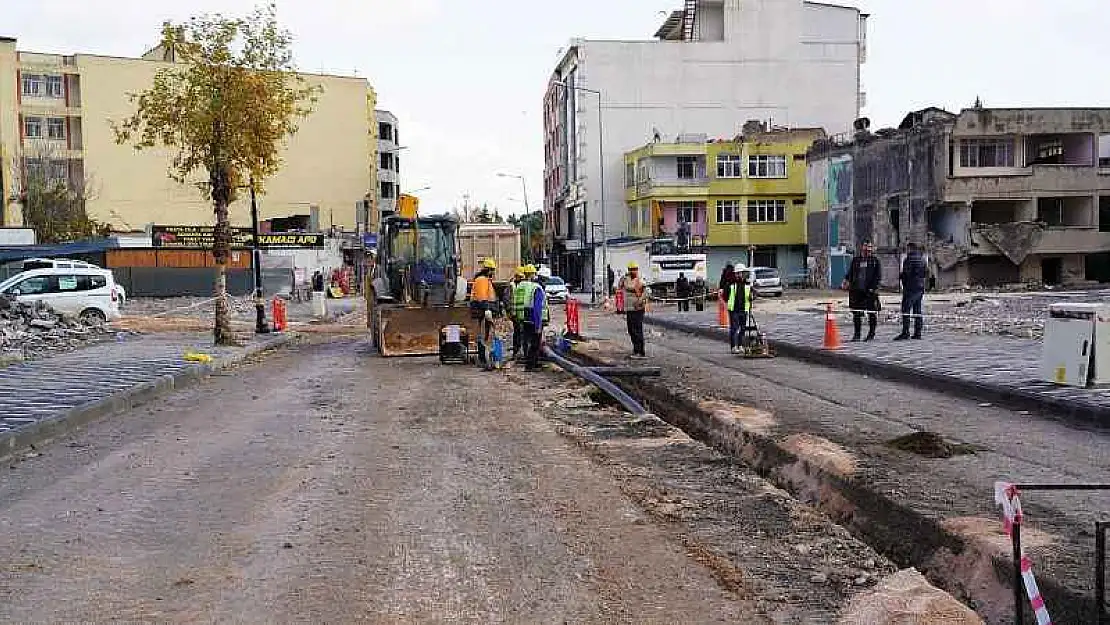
x,y
516,312
484,307
635,305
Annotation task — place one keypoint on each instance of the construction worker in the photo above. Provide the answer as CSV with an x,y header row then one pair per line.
x,y
739,306
484,306
536,315
516,312
635,305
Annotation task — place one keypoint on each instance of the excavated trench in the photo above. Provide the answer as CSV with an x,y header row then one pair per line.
x,y
973,572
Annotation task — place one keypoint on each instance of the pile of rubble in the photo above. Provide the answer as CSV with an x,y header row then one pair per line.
x,y
29,331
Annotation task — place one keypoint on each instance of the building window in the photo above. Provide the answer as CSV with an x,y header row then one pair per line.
x,y
767,166
385,159
645,217
987,153
766,211
629,175
686,212
730,166
728,211
385,131
54,88
634,219
56,128
33,86
387,190
1104,151
687,167
643,169
32,127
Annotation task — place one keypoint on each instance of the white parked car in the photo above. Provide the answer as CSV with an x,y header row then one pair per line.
x,y
85,292
56,263
556,289
765,281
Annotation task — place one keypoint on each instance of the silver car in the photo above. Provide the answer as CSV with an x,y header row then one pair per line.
x,y
765,281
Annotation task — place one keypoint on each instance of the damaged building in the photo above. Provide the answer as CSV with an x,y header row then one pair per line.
x,y
997,196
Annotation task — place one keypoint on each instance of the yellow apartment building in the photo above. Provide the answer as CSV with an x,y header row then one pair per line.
x,y
744,198
55,112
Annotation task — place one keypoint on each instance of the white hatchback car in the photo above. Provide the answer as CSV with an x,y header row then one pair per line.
x,y
85,292
556,289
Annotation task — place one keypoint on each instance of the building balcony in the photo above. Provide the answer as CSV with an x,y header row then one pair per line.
x,y
1052,240
1025,182
673,187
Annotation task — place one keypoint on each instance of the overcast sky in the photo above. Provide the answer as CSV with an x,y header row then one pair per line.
x,y
466,77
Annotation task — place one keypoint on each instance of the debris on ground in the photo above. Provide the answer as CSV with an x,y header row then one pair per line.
x,y
33,330
907,597
931,445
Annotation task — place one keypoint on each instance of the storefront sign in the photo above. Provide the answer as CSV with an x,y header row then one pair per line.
x,y
203,237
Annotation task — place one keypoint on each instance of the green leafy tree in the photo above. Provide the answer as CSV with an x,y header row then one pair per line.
x,y
226,106
53,198
531,235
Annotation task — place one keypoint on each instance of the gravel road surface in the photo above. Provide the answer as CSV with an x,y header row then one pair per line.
x,y
324,485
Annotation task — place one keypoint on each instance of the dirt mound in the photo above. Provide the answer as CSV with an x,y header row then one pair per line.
x,y
930,445
907,598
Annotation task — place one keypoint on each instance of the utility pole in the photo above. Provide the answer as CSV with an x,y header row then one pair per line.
x,y
256,261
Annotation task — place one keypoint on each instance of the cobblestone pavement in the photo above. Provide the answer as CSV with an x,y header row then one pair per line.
x,y
999,364
323,485
50,387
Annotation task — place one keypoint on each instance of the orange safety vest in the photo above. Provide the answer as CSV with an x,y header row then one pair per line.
x,y
483,291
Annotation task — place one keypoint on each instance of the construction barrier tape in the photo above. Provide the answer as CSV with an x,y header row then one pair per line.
x,y
1006,495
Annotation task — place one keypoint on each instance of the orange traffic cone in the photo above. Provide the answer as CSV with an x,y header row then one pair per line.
x,y
832,333
722,312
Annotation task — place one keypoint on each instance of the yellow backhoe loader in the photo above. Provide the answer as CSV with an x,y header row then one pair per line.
x,y
416,288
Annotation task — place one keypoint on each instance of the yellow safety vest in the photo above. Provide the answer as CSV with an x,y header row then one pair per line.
x,y
747,303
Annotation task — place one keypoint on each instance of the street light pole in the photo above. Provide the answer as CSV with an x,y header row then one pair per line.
x,y
256,261
527,214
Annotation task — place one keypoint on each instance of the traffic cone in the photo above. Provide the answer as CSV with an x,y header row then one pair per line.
x,y
722,312
832,333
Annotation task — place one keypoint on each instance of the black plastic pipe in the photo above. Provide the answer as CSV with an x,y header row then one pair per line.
x,y
614,391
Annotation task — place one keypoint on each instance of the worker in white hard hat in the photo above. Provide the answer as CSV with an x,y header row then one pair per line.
x,y
635,306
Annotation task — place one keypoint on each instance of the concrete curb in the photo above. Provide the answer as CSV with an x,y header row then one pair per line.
x,y
43,432
907,536
1085,415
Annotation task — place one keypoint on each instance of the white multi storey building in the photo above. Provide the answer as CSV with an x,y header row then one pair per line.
x,y
713,66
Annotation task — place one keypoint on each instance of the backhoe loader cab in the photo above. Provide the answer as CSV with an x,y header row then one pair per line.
x,y
415,289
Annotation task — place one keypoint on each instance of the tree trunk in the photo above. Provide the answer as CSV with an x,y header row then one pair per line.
x,y
221,249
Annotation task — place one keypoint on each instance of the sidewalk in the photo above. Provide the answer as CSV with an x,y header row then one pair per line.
x,y
992,368
41,399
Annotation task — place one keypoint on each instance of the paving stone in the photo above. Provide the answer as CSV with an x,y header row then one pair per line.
x,y
49,387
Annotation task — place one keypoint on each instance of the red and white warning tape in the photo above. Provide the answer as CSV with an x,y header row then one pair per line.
x,y
1006,495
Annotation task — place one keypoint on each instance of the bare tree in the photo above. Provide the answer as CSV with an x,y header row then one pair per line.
x,y
53,193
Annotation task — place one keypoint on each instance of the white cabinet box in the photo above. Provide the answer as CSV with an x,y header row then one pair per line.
x,y
1076,349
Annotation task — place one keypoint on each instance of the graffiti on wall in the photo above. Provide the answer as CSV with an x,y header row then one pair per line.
x,y
840,182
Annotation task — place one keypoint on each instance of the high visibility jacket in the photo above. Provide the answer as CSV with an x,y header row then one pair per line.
x,y
538,313
483,290
745,297
522,298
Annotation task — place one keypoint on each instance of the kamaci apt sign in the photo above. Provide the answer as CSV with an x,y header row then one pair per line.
x,y
203,237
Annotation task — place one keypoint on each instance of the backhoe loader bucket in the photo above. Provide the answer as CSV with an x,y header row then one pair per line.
x,y
414,331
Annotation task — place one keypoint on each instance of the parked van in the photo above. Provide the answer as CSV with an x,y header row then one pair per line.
x,y
85,292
